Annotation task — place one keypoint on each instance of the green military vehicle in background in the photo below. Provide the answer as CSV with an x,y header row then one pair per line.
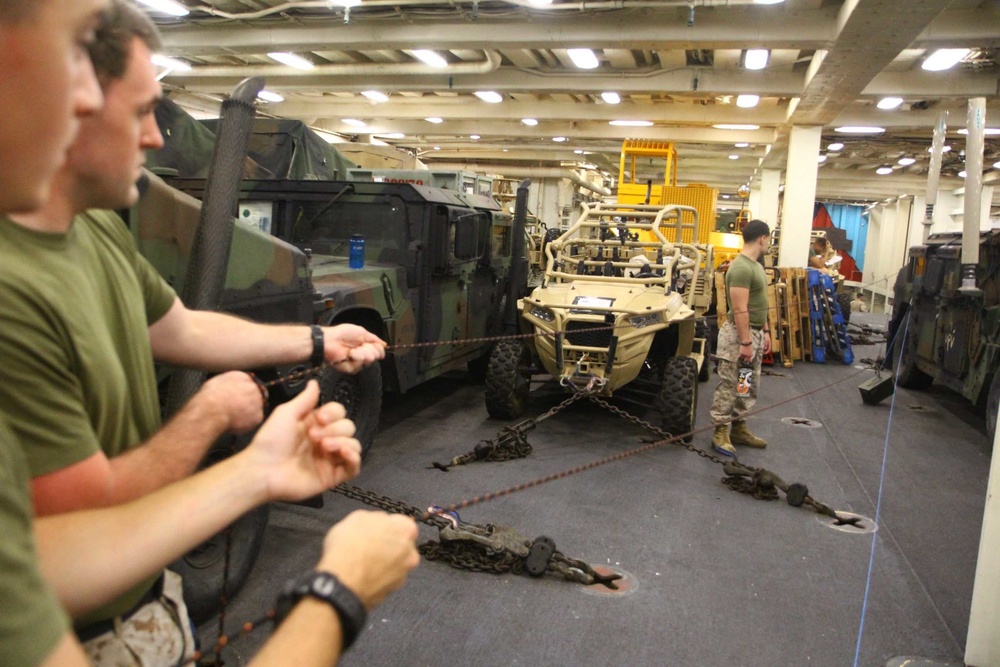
x,y
437,268
952,336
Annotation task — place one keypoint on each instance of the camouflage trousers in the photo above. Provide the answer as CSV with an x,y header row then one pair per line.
x,y
157,634
727,404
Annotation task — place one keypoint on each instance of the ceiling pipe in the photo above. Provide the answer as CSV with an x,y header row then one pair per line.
x,y
490,63
526,172
600,4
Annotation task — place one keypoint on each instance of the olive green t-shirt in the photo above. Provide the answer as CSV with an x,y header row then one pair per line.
x,y
31,621
744,272
76,367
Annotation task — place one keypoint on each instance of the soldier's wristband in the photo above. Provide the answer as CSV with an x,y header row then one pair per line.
x,y
749,342
319,345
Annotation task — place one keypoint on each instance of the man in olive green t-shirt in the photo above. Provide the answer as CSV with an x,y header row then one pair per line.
x,y
743,341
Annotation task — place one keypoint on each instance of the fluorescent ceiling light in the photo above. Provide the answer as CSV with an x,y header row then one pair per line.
x,y
835,146
167,7
583,58
988,131
429,57
944,149
725,196
756,58
437,148
631,123
505,150
392,135
290,59
375,96
742,144
434,119
474,137
996,165
906,161
734,157
269,96
353,122
859,129
558,140
735,126
490,96
883,171
579,151
540,3
611,98
889,103
821,159
345,3
747,101
943,59
530,122
170,63
767,2
962,174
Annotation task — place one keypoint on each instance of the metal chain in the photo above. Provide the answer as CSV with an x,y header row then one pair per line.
x,y
511,441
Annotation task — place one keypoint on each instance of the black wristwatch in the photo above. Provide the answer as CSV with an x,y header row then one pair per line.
x,y
328,588
319,345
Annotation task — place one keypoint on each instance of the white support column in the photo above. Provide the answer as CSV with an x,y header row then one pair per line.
x,y
800,195
754,202
768,208
982,645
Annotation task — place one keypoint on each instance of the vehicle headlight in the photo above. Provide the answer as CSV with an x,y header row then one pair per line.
x,y
542,313
649,319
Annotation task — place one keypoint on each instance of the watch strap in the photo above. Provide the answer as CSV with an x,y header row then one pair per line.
x,y
319,345
328,588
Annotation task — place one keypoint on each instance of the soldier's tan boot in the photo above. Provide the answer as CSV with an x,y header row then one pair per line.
x,y
720,441
741,435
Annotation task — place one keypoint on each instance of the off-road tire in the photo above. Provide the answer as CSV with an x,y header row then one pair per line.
x,y
508,380
844,301
909,376
361,396
203,567
678,400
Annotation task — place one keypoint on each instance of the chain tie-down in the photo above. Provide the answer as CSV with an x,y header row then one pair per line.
x,y
511,441
489,548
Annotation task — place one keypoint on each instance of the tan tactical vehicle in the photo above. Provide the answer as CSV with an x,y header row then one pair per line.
x,y
612,309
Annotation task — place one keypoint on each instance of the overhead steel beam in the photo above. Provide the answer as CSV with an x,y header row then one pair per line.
x,y
666,28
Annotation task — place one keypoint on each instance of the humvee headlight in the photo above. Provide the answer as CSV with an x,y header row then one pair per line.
x,y
542,313
649,319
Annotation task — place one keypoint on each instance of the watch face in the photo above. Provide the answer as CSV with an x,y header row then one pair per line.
x,y
323,584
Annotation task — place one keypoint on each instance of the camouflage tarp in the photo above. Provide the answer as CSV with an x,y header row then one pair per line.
x,y
187,145
290,150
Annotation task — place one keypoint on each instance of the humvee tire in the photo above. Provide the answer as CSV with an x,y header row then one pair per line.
x,y
909,376
678,397
203,567
508,380
361,396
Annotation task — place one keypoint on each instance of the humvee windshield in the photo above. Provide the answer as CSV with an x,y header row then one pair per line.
x,y
328,229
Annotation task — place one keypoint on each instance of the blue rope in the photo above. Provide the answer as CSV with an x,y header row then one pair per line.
x,y
881,481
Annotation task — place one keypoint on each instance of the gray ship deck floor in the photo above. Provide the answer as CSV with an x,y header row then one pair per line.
x,y
720,578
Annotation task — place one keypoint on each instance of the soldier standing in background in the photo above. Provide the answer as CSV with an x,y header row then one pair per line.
x,y
743,341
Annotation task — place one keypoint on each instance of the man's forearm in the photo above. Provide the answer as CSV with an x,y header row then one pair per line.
x,y
171,454
311,636
91,557
741,318
218,342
